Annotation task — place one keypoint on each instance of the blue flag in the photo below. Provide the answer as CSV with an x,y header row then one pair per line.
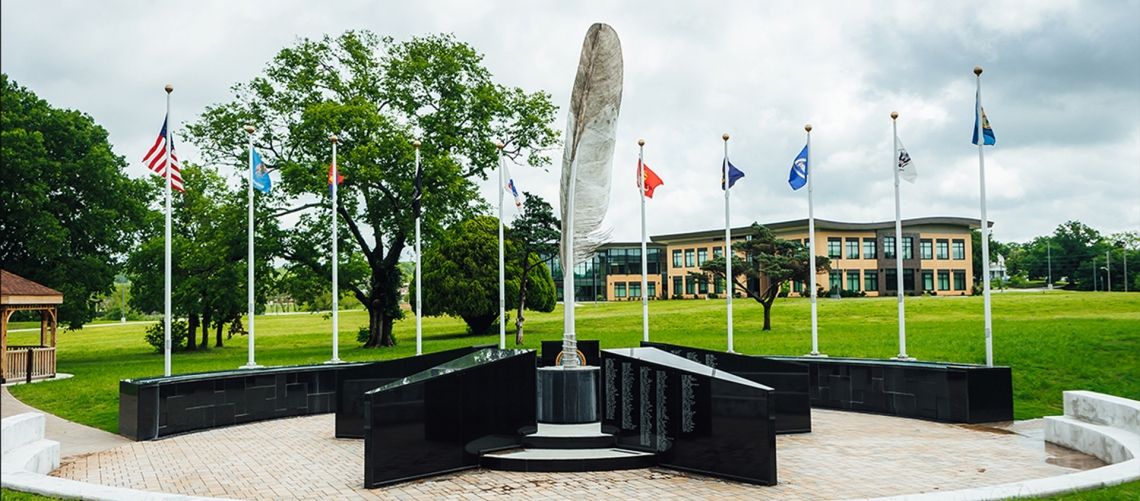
x,y
261,181
733,174
987,132
799,173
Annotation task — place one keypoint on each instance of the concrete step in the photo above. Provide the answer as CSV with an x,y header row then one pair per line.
x,y
568,436
567,460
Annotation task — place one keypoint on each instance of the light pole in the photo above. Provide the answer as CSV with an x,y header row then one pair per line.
x,y
1107,272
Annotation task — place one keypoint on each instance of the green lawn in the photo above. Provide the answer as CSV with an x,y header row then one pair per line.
x,y
1054,341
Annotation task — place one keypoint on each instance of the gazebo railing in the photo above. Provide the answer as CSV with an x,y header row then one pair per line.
x,y
42,362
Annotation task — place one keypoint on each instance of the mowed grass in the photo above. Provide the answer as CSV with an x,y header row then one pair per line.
x,y
1054,341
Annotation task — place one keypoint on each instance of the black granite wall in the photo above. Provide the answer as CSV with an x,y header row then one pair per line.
x,y
693,417
789,380
353,382
441,419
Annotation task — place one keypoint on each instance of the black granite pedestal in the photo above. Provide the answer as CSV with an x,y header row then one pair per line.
x,y
567,395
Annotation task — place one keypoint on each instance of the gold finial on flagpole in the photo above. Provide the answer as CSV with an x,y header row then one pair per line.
x,y
978,70
894,115
500,146
248,129
416,143
333,138
725,137
641,142
807,127
169,88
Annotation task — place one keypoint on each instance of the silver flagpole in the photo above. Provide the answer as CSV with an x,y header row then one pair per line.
x,y
169,180
250,364
569,341
502,271
727,243
335,260
898,240
419,270
811,247
644,259
985,222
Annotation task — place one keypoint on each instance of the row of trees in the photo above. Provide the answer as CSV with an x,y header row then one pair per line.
x,y
1076,254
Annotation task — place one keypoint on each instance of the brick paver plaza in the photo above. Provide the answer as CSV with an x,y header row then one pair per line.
x,y
847,455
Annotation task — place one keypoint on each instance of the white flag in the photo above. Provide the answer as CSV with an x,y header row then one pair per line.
x,y
510,187
907,171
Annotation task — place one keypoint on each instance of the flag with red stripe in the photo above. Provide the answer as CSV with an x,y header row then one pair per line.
x,y
155,159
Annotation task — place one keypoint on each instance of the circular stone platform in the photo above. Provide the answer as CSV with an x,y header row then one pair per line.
x,y
847,455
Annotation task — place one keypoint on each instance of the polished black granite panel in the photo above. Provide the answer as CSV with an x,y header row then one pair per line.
x,y
568,396
441,419
590,349
789,380
156,407
951,393
694,417
353,382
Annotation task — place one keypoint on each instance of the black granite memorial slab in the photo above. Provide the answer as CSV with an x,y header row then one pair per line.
x,y
950,393
589,348
354,381
692,416
789,380
442,419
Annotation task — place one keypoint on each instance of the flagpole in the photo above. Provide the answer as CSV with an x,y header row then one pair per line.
x,y
985,222
898,241
335,260
169,180
812,272
419,270
644,259
250,364
727,243
569,341
502,271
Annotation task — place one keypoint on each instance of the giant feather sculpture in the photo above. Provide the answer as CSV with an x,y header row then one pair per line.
x,y
591,129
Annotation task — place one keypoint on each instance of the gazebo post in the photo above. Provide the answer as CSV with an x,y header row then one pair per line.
x,y
43,326
54,323
3,344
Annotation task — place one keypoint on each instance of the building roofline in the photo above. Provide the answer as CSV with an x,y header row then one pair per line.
x,y
823,224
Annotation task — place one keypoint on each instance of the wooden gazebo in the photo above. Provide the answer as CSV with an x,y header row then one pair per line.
x,y
20,294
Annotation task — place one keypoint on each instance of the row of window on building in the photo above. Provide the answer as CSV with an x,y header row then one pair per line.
x,y
870,280
849,248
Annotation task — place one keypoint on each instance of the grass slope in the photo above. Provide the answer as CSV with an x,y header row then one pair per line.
x,y
1054,341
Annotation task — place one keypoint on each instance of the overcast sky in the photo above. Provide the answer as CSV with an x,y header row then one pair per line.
x,y
1061,88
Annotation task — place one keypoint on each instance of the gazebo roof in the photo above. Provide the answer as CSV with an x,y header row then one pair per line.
x,y
15,289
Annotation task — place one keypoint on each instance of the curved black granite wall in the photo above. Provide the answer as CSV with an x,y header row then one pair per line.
x,y
151,408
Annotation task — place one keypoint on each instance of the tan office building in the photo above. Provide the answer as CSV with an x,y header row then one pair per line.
x,y
936,252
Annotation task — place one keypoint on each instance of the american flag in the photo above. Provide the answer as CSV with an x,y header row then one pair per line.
x,y
155,159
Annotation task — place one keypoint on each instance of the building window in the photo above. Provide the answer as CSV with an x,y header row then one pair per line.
x,y
891,280
635,289
926,249
943,280
908,248
619,290
718,285
959,280
869,249
833,279
889,248
927,280
797,286
689,258
959,249
718,252
677,258
703,285
943,249
834,248
852,248
702,256
852,280
652,287
617,259
870,280
677,284
690,286
908,279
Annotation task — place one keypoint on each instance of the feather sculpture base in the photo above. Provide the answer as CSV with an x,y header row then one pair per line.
x,y
567,395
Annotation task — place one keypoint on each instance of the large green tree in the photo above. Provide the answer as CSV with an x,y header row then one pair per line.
x,y
377,96
536,234
461,276
68,213
767,264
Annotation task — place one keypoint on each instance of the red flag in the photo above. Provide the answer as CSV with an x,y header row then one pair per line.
x,y
339,176
651,180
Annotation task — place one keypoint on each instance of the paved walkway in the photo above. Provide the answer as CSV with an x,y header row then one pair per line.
x,y
847,455
73,437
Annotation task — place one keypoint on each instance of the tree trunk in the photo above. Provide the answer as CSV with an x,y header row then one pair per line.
x,y
206,317
767,316
218,333
522,304
192,332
